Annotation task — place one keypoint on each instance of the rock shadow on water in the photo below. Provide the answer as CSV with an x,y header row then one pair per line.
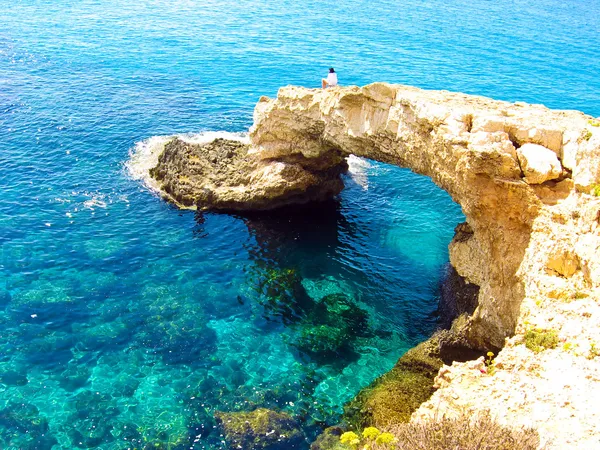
x,y
291,242
288,233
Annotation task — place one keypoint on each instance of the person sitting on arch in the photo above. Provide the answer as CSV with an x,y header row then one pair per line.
x,y
331,79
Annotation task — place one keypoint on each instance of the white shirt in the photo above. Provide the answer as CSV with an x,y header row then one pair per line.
x,y
332,79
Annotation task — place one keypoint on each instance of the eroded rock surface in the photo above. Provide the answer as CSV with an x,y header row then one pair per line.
x,y
468,146
527,180
506,164
224,175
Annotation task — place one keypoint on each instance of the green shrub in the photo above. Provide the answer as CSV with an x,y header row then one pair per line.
x,y
539,340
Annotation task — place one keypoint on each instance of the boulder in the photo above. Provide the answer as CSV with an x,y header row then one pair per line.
x,y
261,429
538,163
225,175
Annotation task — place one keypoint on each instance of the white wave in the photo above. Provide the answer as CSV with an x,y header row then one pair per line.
x,y
95,202
357,168
144,155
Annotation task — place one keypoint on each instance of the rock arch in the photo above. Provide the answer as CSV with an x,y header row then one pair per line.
x,y
523,174
518,171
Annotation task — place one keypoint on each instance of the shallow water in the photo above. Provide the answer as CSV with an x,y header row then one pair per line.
x,y
125,322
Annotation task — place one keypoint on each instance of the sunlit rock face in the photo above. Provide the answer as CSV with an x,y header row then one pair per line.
x,y
517,171
520,173
222,175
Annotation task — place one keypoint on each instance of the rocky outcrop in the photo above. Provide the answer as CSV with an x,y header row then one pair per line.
x,y
222,175
504,163
553,388
394,396
525,176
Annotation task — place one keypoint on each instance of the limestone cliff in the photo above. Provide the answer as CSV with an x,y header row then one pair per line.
x,y
526,178
506,164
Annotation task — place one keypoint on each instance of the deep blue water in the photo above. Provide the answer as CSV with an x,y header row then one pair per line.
x,y
125,322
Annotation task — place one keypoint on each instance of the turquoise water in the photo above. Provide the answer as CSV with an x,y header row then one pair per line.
x,y
125,322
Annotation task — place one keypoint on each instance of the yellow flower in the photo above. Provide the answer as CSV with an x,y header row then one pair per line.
x,y
371,432
350,437
490,354
385,438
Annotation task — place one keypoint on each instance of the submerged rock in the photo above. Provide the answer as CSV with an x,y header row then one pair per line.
x,y
393,397
329,440
330,329
22,426
282,295
322,341
12,378
4,297
261,429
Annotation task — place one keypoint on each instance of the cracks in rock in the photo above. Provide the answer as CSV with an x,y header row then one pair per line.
x,y
513,139
468,121
516,144
463,232
566,173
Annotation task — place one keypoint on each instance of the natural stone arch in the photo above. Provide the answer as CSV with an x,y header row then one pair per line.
x,y
521,173
486,154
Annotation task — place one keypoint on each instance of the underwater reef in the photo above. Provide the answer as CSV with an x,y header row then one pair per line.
x,y
261,429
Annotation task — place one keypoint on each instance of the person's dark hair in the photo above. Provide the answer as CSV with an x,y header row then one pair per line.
x,y
331,70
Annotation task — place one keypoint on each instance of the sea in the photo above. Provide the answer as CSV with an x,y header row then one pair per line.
x,y
127,323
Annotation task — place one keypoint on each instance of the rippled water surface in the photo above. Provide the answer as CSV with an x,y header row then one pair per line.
x,y
126,323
